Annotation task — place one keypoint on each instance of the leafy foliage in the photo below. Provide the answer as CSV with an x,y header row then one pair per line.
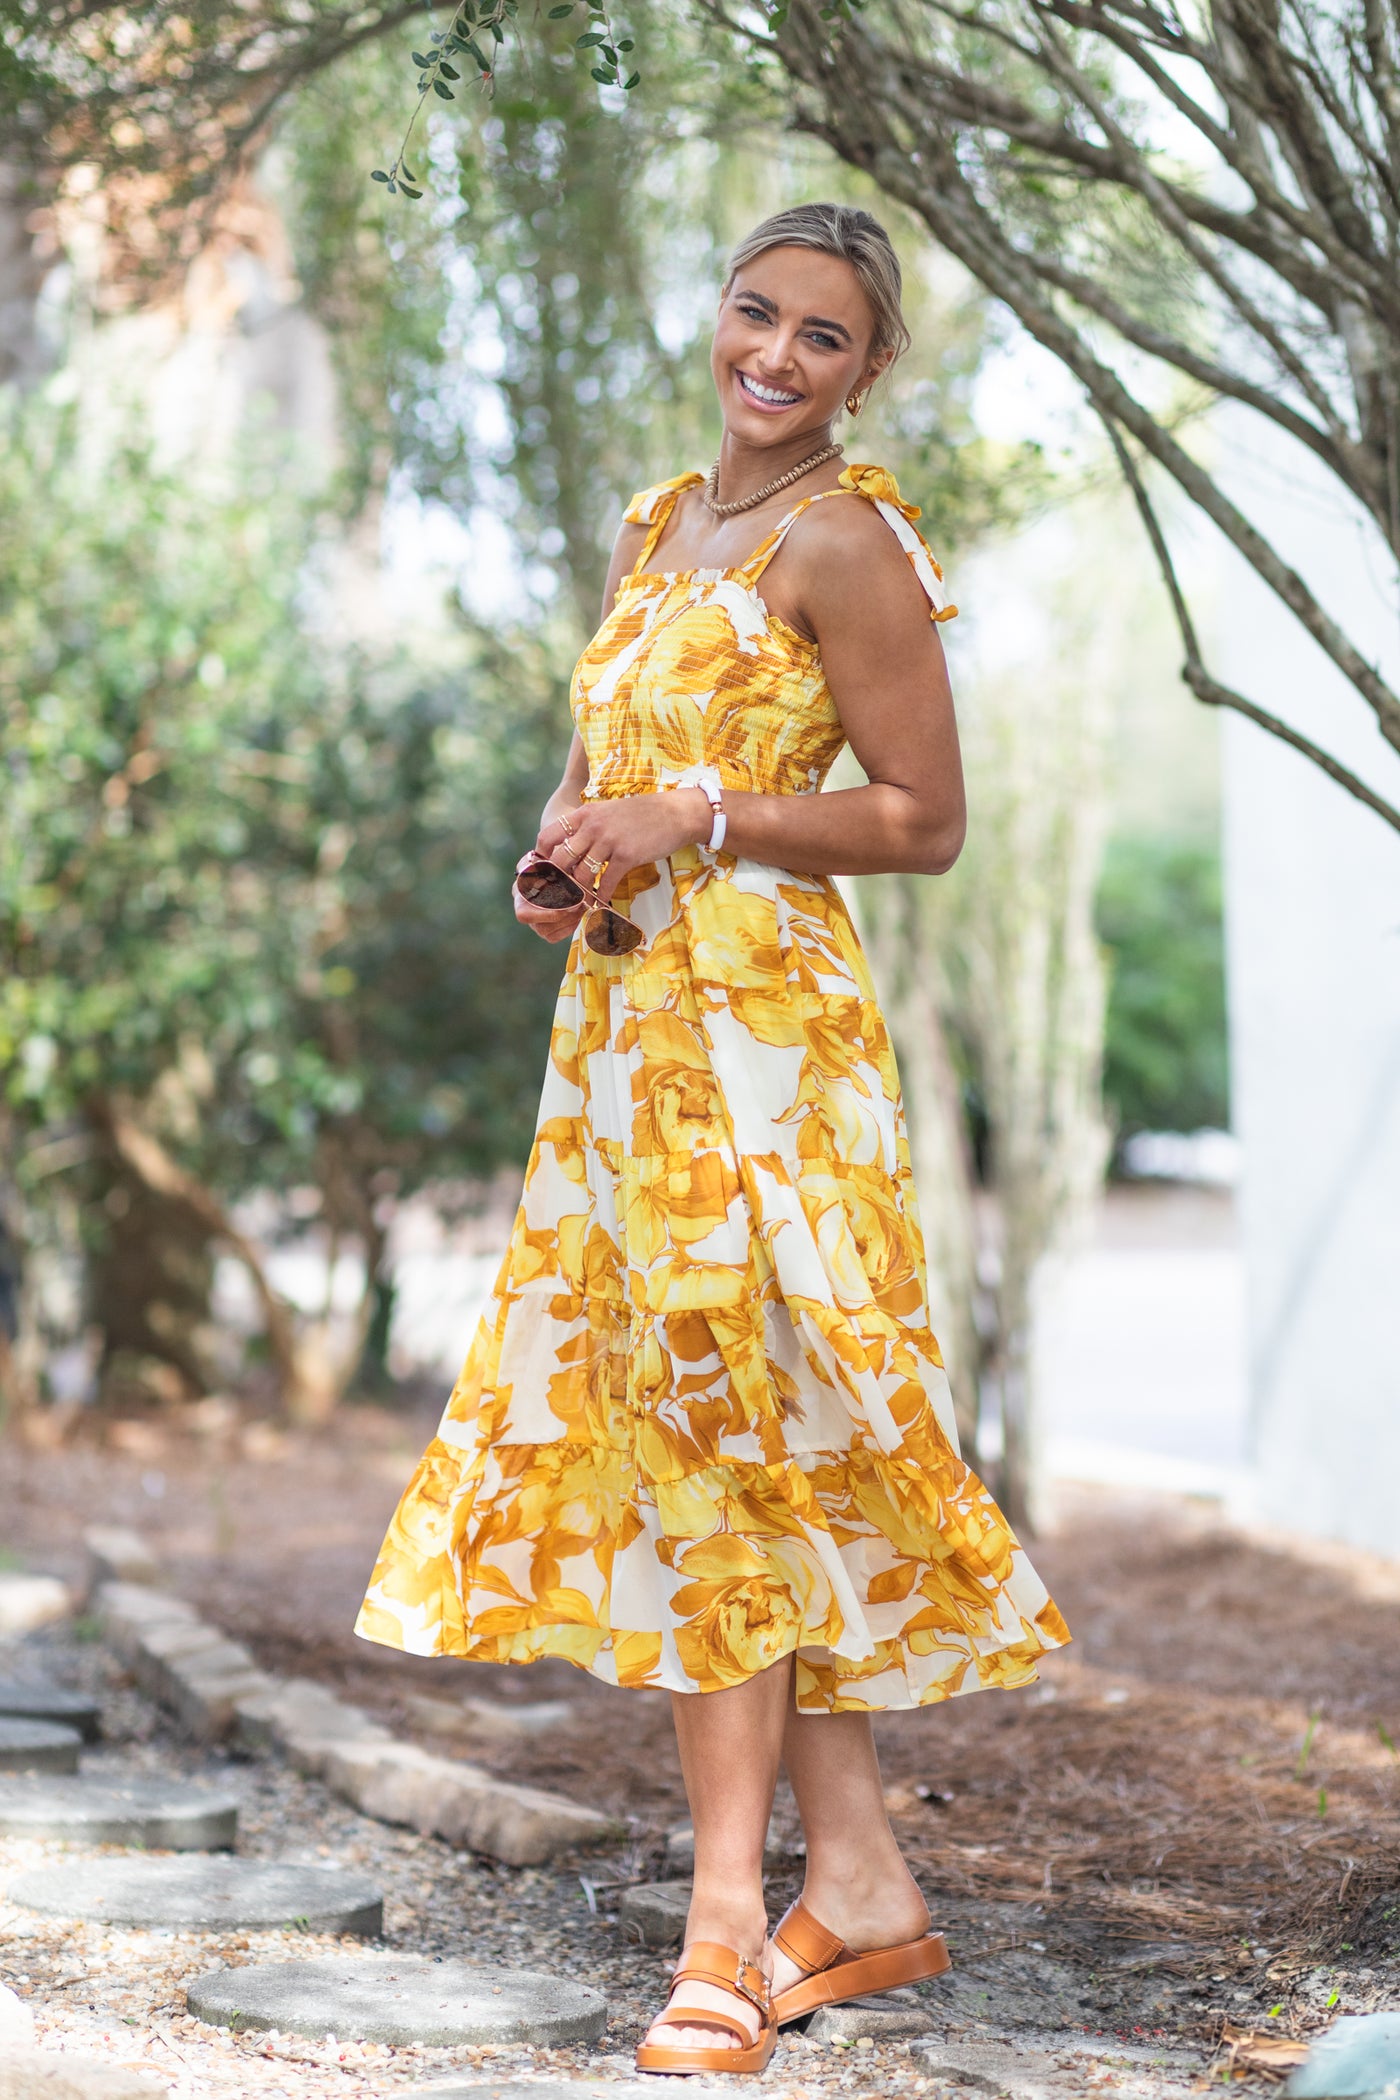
x,y
252,889
1166,1064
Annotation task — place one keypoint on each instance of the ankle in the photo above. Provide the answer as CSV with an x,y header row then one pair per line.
x,y
733,1918
861,1895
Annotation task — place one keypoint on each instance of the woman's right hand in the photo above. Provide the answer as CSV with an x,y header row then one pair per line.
x,y
549,925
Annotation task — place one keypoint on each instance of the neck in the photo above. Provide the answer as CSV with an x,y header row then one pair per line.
x,y
744,467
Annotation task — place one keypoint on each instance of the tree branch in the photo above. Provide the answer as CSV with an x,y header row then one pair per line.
x,y
1209,689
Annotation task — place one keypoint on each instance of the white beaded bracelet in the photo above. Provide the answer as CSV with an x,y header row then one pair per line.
x,y
708,781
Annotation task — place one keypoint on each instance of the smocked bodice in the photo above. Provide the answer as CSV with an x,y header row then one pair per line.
x,y
690,668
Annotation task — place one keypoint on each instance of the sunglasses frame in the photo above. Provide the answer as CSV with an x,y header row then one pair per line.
x,y
540,862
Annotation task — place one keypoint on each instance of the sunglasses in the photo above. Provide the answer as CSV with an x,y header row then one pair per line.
x,y
550,888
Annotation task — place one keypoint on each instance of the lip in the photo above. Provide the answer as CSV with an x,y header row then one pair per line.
x,y
764,408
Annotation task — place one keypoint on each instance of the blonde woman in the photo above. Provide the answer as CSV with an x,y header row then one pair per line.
x,y
703,1438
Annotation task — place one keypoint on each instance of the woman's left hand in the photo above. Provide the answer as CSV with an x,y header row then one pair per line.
x,y
633,831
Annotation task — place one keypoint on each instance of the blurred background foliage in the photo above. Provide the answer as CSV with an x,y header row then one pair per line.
x,y
279,713
1166,1064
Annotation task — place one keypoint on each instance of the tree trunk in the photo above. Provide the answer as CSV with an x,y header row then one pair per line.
x,y
906,965
147,1163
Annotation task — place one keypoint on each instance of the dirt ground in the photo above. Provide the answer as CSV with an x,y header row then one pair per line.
x,y
1187,1835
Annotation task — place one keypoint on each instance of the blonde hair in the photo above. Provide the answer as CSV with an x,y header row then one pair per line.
x,y
852,235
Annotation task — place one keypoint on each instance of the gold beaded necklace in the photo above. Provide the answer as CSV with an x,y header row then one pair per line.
x,y
710,492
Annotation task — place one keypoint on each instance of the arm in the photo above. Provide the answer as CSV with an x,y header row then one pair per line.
x,y
848,584
851,587
559,926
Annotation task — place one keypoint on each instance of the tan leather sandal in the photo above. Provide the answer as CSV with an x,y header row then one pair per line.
x,y
705,1961
833,1973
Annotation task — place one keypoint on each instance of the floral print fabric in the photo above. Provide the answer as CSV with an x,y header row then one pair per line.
x,y
704,1422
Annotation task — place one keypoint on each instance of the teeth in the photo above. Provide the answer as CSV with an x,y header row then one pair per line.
x,y
767,393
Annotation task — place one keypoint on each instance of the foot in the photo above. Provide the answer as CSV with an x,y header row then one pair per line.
x,y
867,1915
743,1935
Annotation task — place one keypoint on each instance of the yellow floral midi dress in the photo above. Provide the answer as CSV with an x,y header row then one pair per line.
x,y
704,1423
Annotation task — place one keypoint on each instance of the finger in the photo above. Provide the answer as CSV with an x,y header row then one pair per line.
x,y
557,832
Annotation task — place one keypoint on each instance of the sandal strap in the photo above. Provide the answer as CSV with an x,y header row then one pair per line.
x,y
805,1940
704,2016
707,1961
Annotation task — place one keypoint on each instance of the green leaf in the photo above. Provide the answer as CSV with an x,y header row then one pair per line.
x,y
378,175
409,192
583,42
557,14
607,79
449,72
419,60
609,54
633,81
624,43
445,92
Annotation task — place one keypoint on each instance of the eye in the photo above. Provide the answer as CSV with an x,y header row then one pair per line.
x,y
753,313
824,341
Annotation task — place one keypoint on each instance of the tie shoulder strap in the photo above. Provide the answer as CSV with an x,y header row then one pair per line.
x,y
882,490
765,550
653,508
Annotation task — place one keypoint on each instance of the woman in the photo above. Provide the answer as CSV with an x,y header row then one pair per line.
x,y
703,1439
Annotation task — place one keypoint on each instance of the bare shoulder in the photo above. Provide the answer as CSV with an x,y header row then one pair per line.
x,y
846,548
630,537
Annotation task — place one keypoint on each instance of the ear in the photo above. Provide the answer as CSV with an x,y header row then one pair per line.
x,y
881,362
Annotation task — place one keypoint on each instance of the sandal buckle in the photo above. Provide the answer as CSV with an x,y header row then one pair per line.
x,y
757,1995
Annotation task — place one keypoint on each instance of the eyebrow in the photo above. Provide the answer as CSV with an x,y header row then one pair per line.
x,y
808,320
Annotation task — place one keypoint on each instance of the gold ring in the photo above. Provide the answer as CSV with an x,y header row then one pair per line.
x,y
565,826
596,865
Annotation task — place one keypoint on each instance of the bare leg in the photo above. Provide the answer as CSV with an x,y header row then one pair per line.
x,y
856,1881
730,1744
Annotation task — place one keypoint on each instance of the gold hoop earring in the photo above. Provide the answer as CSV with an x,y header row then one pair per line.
x,y
854,403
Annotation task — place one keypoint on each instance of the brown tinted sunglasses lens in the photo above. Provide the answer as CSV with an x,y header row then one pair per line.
x,y
549,887
608,933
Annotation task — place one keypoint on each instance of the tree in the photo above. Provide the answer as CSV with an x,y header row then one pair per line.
x,y
250,892
1215,195
1214,198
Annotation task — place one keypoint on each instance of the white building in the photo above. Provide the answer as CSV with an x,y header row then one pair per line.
x,y
1312,884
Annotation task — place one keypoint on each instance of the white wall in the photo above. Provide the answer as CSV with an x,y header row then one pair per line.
x,y
1313,942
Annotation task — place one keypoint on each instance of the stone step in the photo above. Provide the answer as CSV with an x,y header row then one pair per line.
x,y
32,1700
400,2000
893,2016
398,1783
205,1895
37,1746
655,1912
1358,2057
28,1602
215,1688
187,1666
116,1554
162,1815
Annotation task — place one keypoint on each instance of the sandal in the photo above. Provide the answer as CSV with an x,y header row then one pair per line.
x,y
705,1961
833,1973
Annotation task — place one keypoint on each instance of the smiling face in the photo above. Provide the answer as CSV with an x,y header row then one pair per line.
x,y
792,340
